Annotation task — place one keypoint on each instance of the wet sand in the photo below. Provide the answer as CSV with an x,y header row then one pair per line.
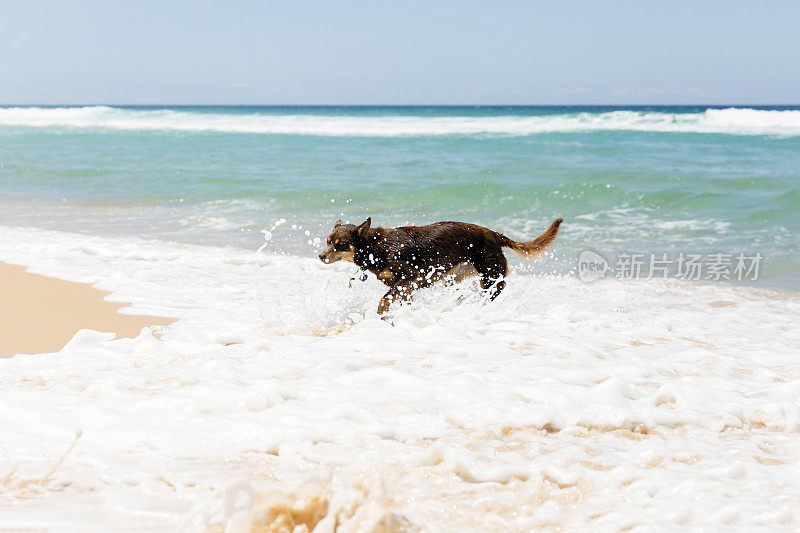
x,y
39,314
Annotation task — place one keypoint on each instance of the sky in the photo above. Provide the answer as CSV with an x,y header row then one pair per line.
x,y
404,52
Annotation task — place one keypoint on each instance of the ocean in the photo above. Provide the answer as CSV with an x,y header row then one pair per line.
x,y
628,180
641,375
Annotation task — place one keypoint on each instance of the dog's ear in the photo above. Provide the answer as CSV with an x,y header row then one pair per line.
x,y
338,223
364,227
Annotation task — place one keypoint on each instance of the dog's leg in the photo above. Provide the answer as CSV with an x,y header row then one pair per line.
x,y
492,268
401,291
461,271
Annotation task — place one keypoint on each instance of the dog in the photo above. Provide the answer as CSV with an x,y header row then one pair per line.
x,y
412,257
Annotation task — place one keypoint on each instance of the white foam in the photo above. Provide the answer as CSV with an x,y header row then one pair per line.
x,y
593,407
735,121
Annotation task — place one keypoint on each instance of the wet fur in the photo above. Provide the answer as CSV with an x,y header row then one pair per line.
x,y
412,257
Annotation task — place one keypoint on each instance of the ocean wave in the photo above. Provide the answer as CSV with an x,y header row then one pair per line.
x,y
735,121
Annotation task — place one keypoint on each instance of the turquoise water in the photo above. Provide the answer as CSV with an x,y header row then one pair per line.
x,y
694,180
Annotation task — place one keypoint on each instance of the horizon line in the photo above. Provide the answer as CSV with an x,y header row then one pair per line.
x,y
98,104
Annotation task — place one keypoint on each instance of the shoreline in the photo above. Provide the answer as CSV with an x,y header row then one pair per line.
x,y
563,395
769,288
41,314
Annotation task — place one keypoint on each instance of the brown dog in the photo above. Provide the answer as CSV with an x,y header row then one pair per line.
x,y
413,257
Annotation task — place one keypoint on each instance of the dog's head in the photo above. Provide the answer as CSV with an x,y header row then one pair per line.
x,y
343,241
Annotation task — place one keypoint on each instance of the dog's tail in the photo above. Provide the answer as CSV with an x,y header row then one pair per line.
x,y
531,249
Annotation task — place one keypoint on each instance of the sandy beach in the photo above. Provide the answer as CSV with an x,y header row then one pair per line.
x,y
40,314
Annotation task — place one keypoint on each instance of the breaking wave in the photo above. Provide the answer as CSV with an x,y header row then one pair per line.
x,y
734,121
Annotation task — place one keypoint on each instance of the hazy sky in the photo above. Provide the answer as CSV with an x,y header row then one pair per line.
x,y
403,52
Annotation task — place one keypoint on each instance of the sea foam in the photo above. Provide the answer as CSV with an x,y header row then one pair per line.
x,y
279,397
734,121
